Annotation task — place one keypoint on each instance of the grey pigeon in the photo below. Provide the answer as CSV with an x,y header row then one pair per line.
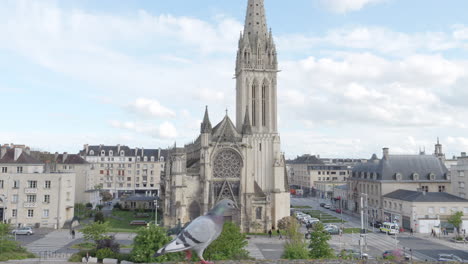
x,y
200,233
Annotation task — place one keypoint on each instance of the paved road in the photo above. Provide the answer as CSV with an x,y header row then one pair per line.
x,y
422,248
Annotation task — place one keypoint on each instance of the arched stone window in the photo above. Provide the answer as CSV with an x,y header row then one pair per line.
x,y
254,104
264,103
398,176
415,176
258,213
227,164
91,152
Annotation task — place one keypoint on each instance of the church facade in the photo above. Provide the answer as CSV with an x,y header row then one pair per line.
x,y
241,161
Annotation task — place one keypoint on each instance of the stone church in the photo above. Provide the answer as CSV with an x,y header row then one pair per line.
x,y
241,161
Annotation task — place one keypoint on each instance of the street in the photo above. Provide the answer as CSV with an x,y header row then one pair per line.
x,y
422,247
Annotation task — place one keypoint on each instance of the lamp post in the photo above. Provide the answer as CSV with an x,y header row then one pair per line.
x,y
156,211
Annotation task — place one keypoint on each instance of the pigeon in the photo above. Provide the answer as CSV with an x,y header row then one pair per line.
x,y
200,233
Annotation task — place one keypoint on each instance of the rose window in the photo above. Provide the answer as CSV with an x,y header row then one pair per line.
x,y
227,164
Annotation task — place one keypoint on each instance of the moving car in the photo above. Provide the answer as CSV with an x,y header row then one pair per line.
x,y
390,228
376,224
449,257
23,231
353,254
338,210
322,204
327,206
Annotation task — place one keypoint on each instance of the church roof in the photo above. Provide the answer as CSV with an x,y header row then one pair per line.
x,y
226,131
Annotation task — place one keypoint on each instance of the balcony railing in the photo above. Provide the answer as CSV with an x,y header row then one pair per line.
x,y
30,190
29,205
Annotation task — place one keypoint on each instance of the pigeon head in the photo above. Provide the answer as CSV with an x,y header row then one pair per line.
x,y
222,207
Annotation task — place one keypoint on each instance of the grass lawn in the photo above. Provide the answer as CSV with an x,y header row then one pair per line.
x,y
120,222
301,206
84,246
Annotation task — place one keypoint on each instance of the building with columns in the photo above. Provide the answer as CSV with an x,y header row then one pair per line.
x,y
241,161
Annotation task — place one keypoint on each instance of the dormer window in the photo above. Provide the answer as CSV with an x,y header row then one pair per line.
x,y
138,158
415,176
145,158
432,176
103,153
447,176
91,152
152,158
122,153
111,153
161,159
398,176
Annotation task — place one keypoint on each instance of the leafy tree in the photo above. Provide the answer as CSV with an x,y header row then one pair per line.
x,y
95,231
285,222
456,220
99,217
104,253
89,205
109,243
295,247
148,241
319,247
106,196
229,245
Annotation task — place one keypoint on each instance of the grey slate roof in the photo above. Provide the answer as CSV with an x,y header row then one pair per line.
x,y
128,152
415,196
24,158
306,159
71,159
406,165
225,131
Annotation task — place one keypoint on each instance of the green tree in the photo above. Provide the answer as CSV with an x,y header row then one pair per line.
x,y
456,220
99,217
106,196
319,247
147,242
229,245
295,247
95,231
285,222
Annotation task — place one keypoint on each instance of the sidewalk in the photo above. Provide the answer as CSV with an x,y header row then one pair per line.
x,y
444,240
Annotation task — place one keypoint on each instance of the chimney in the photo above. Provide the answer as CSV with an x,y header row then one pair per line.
x,y
18,152
136,151
463,154
385,153
65,156
56,156
86,147
27,150
118,148
142,152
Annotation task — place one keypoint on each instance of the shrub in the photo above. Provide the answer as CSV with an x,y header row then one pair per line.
x,y
285,222
95,231
319,247
104,253
117,206
147,242
99,217
89,205
229,245
99,207
109,243
295,247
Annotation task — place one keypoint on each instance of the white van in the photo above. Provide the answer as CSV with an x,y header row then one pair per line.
x,y
390,228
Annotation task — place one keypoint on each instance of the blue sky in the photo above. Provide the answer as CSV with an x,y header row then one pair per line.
x,y
357,75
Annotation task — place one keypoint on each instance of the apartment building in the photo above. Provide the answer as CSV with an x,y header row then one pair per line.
x,y
30,196
299,173
123,170
459,173
378,177
326,177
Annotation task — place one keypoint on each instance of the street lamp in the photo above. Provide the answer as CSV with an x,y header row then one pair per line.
x,y
156,211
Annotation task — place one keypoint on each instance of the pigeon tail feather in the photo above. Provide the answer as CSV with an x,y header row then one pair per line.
x,y
172,247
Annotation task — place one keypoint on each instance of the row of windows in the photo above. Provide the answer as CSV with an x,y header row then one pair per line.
x,y
122,154
31,198
129,185
111,165
31,184
18,169
122,172
332,172
45,213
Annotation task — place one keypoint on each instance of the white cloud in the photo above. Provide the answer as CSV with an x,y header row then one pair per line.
x,y
165,130
150,107
345,6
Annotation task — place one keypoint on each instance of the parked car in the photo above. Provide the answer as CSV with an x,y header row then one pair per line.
x,y
327,206
353,254
23,231
322,204
450,257
338,210
332,230
393,253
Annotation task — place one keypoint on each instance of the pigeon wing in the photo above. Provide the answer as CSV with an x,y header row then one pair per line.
x,y
198,233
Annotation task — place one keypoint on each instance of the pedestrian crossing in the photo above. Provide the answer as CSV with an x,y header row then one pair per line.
x,y
51,242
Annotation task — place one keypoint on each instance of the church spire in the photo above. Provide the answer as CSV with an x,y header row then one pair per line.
x,y
255,21
206,124
247,127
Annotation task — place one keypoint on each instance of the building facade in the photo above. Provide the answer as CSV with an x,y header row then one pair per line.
x,y
423,211
376,178
122,170
300,173
241,161
459,173
326,177
30,195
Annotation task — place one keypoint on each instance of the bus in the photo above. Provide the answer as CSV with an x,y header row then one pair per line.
x,y
390,228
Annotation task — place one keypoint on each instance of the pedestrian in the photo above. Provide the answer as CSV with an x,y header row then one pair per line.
x,y
73,233
270,233
279,233
432,232
411,231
